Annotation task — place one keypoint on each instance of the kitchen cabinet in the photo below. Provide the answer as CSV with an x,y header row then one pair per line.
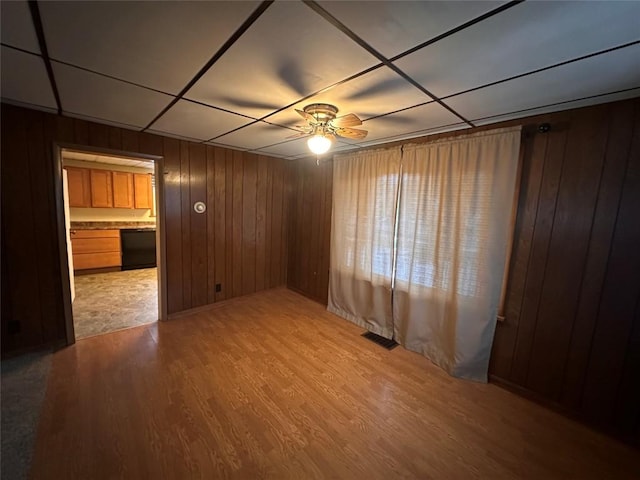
x,y
101,188
142,188
79,187
122,189
95,249
109,189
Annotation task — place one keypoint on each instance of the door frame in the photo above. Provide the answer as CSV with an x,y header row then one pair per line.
x,y
161,250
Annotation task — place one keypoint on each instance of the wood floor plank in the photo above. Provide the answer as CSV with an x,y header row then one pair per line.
x,y
271,385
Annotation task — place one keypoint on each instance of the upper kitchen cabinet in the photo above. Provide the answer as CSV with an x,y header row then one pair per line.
x,y
109,188
79,186
122,189
101,188
143,192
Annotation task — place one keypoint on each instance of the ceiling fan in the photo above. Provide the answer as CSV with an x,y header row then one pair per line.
x,y
324,126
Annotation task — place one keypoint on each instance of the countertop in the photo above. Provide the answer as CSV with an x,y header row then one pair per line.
x,y
111,225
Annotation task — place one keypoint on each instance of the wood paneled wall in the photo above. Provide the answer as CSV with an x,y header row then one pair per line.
x,y
572,334
240,242
310,228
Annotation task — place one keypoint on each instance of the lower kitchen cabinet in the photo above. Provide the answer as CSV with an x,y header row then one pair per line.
x,y
95,249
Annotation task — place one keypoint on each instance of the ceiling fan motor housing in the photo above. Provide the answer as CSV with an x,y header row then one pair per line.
x,y
322,112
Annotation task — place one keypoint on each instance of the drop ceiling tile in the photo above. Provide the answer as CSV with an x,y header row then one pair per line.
x,y
344,147
223,145
256,136
286,149
16,26
527,37
161,45
556,107
408,123
193,120
91,95
417,134
288,53
392,27
173,135
25,80
611,72
103,121
375,93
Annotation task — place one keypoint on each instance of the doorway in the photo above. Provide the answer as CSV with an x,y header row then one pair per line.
x,y
113,238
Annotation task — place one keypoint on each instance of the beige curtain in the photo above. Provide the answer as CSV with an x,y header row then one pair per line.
x,y
454,223
365,187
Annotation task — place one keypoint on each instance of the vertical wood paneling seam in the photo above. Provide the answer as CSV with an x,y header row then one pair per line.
x,y
182,220
241,220
530,254
255,229
29,166
210,152
637,307
546,260
626,354
321,216
206,228
589,244
606,271
301,193
284,223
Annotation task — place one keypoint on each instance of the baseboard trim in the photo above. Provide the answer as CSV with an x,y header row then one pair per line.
x,y
213,306
629,438
52,347
307,295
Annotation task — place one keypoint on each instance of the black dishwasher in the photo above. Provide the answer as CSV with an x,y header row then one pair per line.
x,y
138,248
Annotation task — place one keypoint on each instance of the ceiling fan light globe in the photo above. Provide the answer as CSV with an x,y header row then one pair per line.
x,y
319,144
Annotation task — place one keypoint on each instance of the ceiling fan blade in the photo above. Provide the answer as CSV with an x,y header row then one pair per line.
x,y
354,133
308,117
348,120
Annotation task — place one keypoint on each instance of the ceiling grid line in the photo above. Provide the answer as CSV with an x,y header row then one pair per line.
x,y
457,29
379,65
306,97
538,70
221,51
344,29
497,82
111,77
406,69
37,25
515,77
18,49
580,99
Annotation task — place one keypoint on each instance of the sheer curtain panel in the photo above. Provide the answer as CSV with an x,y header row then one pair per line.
x,y
454,227
365,187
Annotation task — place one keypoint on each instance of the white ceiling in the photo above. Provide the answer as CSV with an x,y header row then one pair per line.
x,y
107,159
225,73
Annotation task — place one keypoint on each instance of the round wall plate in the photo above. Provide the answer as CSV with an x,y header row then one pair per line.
x,y
199,207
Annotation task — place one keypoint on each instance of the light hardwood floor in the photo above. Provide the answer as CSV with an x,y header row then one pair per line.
x,y
273,386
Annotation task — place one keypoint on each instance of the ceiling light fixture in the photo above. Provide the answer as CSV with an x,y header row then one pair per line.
x,y
319,144
324,126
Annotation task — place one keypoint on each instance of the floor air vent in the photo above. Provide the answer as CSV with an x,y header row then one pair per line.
x,y
383,342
